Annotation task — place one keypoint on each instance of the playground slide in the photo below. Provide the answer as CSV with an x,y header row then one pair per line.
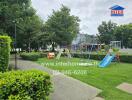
x,y
107,60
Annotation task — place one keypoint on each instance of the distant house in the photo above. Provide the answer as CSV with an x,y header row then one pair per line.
x,y
84,38
85,42
117,10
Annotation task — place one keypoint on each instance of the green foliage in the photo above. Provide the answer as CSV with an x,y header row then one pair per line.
x,y
110,31
19,97
106,32
62,26
11,10
126,58
44,54
4,52
123,58
24,85
28,24
115,50
123,33
106,47
33,56
29,36
102,51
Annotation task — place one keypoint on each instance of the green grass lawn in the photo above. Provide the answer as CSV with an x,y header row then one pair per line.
x,y
105,79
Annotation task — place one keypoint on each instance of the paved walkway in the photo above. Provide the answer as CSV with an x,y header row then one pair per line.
x,y
125,87
65,88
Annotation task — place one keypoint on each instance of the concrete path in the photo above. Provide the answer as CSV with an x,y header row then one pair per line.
x,y
125,87
65,88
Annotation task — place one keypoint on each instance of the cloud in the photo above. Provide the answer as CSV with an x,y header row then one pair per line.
x,y
91,12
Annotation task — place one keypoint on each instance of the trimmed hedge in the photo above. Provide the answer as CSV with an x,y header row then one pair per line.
x,y
4,52
25,85
123,58
126,58
33,56
86,56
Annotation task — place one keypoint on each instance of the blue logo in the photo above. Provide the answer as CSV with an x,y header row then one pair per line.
x,y
117,10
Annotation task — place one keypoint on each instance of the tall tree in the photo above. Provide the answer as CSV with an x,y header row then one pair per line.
x,y
62,26
21,13
10,10
106,32
31,29
123,33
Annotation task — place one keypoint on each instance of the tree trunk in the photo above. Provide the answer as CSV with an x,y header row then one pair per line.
x,y
29,43
53,47
29,46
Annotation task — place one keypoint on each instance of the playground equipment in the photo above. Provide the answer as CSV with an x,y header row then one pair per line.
x,y
51,55
107,60
69,56
63,50
115,44
113,55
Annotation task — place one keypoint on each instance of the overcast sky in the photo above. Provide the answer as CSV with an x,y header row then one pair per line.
x,y
91,12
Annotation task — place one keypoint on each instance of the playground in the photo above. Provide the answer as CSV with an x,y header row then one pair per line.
x,y
108,72
105,79
105,74
64,50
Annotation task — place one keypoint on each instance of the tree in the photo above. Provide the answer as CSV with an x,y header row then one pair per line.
x,y
123,33
27,22
11,10
106,32
62,27
31,29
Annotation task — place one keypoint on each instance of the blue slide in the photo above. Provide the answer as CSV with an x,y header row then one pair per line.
x,y
107,60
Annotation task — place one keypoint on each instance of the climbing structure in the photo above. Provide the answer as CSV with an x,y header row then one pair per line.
x,y
63,50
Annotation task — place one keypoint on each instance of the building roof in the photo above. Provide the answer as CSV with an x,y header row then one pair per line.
x,y
117,7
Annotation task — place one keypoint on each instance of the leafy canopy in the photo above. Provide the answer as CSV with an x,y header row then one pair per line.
x,y
62,26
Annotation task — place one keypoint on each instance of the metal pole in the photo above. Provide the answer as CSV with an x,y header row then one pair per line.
x,y
15,49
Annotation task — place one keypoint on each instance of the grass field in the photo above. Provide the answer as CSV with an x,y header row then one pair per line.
x,y
105,79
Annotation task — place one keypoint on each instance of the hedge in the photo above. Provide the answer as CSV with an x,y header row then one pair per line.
x,y
25,85
33,56
4,52
126,58
123,58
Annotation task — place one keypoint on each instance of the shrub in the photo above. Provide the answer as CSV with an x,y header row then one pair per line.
x,y
115,50
126,58
33,56
106,47
4,52
24,85
43,54
123,58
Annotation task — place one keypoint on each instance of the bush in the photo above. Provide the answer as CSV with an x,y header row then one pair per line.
x,y
126,58
33,56
123,58
24,85
115,50
4,52
43,54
